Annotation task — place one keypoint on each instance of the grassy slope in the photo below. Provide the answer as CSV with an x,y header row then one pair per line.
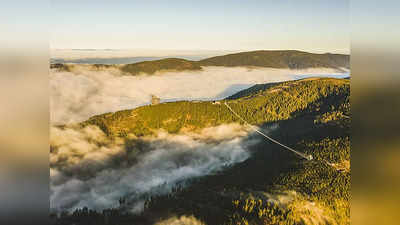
x,y
289,59
310,117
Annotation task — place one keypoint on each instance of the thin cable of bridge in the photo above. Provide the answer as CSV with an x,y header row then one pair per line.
x,y
308,157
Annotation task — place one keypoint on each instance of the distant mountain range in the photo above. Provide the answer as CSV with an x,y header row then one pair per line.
x,y
282,59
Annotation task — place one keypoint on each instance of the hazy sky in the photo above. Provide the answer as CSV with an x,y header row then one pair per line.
x,y
316,26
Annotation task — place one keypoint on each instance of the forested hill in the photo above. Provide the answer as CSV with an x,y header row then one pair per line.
x,y
285,59
289,59
273,186
327,97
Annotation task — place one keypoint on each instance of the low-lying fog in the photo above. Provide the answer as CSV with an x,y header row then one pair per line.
x,y
89,169
79,95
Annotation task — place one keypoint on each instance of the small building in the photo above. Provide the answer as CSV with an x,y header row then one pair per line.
x,y
216,103
155,100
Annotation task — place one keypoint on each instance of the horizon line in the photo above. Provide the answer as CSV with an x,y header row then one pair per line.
x,y
346,52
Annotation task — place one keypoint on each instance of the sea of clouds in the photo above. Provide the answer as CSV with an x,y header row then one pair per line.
x,y
76,96
89,169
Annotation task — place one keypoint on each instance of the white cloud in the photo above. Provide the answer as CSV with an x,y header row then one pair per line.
x,y
77,96
88,169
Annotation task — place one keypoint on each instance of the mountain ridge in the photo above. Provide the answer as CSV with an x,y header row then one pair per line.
x,y
272,102
280,59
